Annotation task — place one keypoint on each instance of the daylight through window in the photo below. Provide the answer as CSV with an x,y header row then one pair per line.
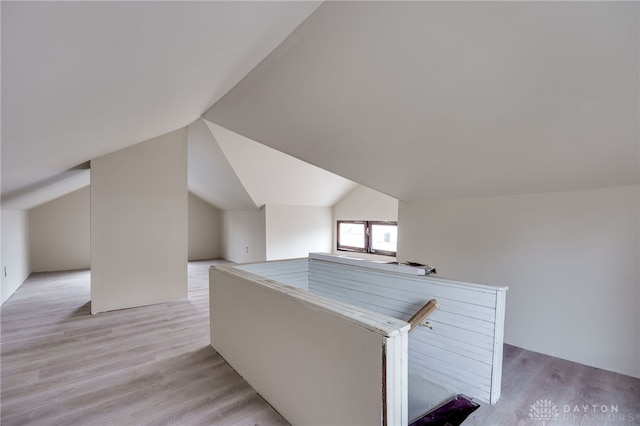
x,y
366,236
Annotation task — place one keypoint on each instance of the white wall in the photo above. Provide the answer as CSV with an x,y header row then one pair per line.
x,y
570,260
139,236
204,229
15,251
243,235
315,361
461,352
364,204
60,233
295,231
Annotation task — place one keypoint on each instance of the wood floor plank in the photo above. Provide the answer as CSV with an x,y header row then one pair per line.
x,y
149,365
153,365
529,377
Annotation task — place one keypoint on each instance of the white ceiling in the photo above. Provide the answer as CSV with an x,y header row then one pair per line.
x,y
424,100
210,176
55,187
82,79
271,177
232,172
418,100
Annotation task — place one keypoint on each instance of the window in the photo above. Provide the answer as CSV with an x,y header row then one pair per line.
x,y
366,236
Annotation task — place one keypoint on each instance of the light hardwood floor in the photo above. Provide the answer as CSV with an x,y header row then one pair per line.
x,y
144,366
153,365
530,377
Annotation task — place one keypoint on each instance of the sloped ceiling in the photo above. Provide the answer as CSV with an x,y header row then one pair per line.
x,y
83,79
424,100
271,177
232,172
211,177
42,192
414,99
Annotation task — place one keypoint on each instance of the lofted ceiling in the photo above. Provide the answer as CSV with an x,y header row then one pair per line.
x,y
427,100
83,79
210,175
419,100
271,177
232,172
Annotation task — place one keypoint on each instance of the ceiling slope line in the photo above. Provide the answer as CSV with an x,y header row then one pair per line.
x,y
210,175
47,190
276,178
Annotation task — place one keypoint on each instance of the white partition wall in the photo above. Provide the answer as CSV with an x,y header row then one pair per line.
x,y
139,224
326,342
463,349
316,361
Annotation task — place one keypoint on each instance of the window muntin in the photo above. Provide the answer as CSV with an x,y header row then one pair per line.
x,y
364,236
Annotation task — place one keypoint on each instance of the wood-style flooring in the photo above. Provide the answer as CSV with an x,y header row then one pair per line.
x,y
153,365
529,378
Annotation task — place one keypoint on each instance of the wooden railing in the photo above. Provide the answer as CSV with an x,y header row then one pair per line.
x,y
422,314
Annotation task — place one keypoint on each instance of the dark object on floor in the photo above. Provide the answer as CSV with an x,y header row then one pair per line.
x,y
452,413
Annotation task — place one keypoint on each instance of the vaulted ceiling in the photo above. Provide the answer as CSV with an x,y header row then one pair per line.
x,y
232,172
83,79
418,100
425,100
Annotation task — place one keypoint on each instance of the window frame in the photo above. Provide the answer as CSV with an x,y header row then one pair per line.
x,y
352,248
367,237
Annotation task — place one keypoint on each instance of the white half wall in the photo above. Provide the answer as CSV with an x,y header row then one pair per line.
x,y
139,215
60,233
570,260
296,231
204,229
15,251
243,235
315,360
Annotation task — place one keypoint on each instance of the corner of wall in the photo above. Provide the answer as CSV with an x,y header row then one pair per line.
x,y
243,235
204,229
139,224
16,261
564,256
